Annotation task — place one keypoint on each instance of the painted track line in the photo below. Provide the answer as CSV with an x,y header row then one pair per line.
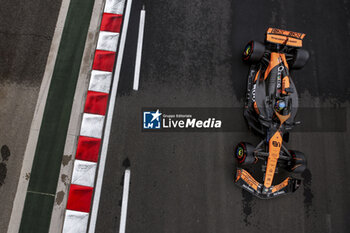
x,y
139,49
107,130
124,210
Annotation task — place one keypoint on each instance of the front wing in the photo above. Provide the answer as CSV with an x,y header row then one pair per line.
x,y
246,181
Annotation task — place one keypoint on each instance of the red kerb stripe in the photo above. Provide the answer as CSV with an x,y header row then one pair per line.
x,y
79,198
96,103
88,149
111,22
104,60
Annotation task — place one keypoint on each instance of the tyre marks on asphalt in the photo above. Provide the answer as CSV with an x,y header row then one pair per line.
x,y
5,155
126,163
247,203
308,195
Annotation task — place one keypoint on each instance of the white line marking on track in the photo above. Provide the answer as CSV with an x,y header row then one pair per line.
x,y
110,111
40,193
139,49
124,210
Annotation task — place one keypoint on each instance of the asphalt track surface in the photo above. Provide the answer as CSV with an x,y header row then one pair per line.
x,y
183,182
26,31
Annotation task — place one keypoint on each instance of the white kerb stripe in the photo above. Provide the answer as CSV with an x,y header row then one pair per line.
x,y
84,173
92,125
100,81
114,6
139,50
108,41
124,210
75,222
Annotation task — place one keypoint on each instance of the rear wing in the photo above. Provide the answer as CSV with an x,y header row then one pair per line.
x,y
278,36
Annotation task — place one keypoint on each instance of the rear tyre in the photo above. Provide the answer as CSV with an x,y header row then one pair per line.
x,y
244,153
301,57
253,51
299,162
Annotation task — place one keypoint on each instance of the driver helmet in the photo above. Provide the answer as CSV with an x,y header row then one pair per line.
x,y
280,105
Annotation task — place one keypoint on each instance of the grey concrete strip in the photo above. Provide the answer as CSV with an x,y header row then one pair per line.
x,y
58,212
17,209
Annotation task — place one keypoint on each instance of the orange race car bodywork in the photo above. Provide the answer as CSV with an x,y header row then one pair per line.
x,y
269,85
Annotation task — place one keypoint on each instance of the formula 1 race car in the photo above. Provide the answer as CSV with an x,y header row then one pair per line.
x,y
270,109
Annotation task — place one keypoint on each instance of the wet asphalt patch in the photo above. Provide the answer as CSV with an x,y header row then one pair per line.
x,y
247,199
5,155
308,196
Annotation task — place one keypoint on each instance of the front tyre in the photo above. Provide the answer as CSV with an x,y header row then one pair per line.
x,y
244,153
253,51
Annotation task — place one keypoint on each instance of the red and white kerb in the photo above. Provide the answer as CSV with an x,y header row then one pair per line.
x,y
86,158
